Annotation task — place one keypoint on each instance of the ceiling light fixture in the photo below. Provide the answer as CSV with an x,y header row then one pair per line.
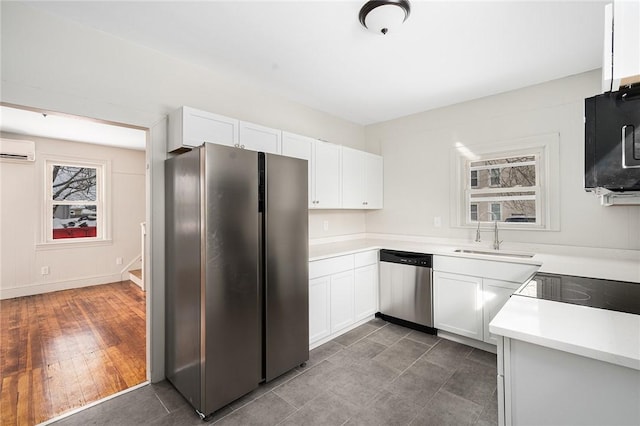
x,y
381,15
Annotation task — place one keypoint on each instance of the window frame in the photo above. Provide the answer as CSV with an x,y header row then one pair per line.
x,y
546,149
102,202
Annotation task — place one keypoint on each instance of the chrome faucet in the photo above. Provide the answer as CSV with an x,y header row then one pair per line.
x,y
496,241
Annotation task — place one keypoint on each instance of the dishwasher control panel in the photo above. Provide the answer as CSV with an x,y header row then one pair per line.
x,y
407,258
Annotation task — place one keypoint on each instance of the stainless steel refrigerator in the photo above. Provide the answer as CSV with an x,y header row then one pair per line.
x,y
236,271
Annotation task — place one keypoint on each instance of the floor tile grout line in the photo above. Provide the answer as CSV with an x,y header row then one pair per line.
x,y
161,403
348,346
296,409
365,336
417,359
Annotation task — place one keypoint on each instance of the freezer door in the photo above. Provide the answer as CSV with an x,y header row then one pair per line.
x,y
232,321
286,230
183,275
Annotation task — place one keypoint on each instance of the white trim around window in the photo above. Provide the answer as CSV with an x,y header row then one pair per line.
x,y
545,193
97,207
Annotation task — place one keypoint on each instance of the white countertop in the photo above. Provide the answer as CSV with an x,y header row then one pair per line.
x,y
323,251
601,334
613,264
595,333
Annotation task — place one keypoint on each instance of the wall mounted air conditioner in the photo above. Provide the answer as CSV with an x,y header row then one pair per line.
x,y
17,150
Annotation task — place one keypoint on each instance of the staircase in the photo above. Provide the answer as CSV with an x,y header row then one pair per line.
x,y
136,277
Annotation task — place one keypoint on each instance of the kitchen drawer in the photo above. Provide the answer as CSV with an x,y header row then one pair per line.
x,y
332,265
366,258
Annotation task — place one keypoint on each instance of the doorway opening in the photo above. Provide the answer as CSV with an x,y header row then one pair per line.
x,y
73,300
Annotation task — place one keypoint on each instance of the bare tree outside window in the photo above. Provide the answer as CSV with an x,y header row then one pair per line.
x,y
505,185
512,177
74,201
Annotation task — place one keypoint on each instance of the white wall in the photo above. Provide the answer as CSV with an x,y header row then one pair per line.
x,y
417,152
54,64
76,70
21,213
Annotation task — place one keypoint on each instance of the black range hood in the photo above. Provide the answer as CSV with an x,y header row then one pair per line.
x,y
612,141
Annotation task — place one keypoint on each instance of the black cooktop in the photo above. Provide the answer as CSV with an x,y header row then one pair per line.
x,y
597,293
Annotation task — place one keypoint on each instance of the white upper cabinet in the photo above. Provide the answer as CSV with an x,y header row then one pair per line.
x,y
326,171
621,65
373,181
189,127
352,179
358,176
324,168
297,146
361,180
259,138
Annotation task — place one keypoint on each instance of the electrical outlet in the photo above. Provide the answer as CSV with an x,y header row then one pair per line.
x,y
325,225
437,222
118,261
44,270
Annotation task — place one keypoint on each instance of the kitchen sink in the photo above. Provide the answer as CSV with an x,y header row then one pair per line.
x,y
495,253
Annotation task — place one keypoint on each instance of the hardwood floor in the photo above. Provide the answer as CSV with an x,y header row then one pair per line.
x,y
63,350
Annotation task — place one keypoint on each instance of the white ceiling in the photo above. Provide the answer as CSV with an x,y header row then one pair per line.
x,y
57,126
316,52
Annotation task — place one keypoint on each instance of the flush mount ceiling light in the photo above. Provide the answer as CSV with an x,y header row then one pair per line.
x,y
381,15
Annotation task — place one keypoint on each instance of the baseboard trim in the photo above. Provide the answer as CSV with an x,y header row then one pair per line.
x,y
467,341
341,332
40,288
124,272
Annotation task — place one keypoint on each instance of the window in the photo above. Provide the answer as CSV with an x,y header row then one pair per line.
x,y
474,179
514,182
474,212
496,211
74,201
508,186
494,178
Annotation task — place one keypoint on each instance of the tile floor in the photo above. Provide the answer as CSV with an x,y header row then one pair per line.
x,y
376,374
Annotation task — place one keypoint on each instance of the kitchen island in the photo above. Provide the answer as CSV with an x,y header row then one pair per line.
x,y
560,363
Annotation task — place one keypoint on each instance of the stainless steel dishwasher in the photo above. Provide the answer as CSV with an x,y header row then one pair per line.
x,y
406,292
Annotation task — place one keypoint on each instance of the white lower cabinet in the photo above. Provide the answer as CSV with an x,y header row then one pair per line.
x,y
465,303
343,290
545,386
366,291
319,321
458,304
341,301
496,293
